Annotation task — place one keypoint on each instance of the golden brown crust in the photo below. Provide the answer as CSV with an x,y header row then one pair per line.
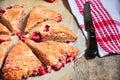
x,y
4,49
5,37
4,33
4,30
40,14
13,17
21,62
56,32
49,52
45,55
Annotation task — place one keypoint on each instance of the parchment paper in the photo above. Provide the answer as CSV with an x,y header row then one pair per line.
x,y
62,7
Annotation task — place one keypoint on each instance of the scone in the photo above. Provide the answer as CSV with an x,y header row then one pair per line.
x,y
51,30
53,54
20,63
40,14
4,49
13,17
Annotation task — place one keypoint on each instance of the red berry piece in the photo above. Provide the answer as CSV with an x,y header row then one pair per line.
x,y
1,41
70,58
50,0
20,36
59,18
41,70
67,42
58,66
2,11
46,28
36,37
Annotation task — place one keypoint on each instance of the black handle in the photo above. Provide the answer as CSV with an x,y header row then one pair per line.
x,y
92,49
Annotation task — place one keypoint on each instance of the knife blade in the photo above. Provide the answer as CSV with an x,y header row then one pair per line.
x,y
92,50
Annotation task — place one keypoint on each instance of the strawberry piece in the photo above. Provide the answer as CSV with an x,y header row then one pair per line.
x,y
46,28
67,42
70,58
2,11
41,70
58,66
59,18
20,36
1,41
36,37
50,0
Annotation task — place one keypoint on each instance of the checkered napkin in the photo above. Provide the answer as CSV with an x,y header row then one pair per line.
x,y
106,20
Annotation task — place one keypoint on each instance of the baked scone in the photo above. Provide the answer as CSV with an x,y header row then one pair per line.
x,y
4,30
52,53
20,63
39,14
51,30
4,49
13,17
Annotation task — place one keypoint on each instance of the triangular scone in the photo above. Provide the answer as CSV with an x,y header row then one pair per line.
x,y
13,17
53,54
40,14
4,30
4,49
20,63
51,30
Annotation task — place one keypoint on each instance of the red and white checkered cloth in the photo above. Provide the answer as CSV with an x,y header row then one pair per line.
x,y
106,19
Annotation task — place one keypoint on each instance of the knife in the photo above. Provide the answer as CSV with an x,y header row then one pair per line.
x,y
92,50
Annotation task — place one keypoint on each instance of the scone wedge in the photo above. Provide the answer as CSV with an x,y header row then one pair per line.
x,y
20,63
51,30
53,54
13,17
39,14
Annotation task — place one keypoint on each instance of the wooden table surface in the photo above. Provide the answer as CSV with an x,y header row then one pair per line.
x,y
106,68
